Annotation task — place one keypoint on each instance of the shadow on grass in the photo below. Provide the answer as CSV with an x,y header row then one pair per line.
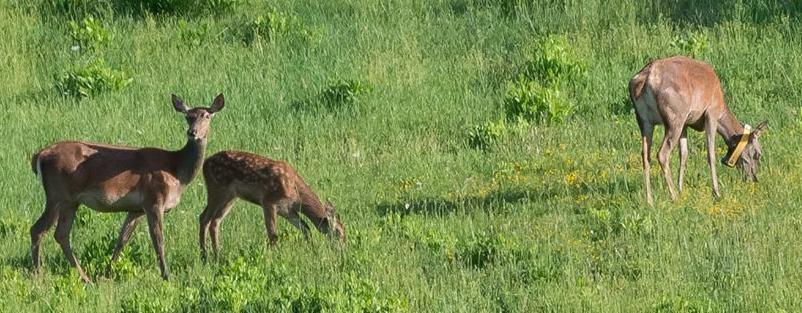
x,y
498,200
494,201
711,12
77,9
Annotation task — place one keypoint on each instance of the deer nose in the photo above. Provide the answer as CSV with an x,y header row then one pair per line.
x,y
192,133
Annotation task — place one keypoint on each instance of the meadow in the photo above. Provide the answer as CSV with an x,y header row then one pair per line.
x,y
482,154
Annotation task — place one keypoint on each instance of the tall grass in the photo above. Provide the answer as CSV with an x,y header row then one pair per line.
x,y
551,218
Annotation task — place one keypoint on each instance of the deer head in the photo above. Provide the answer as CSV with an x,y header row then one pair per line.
x,y
198,118
333,226
749,161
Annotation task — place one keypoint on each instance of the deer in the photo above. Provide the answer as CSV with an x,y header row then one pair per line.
x,y
679,92
274,185
108,178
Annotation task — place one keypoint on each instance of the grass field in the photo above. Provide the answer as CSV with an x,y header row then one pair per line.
x,y
373,102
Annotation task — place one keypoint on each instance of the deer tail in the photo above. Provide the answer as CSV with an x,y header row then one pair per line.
x,y
36,165
638,83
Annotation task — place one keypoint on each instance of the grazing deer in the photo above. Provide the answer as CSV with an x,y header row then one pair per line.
x,y
106,178
273,185
678,92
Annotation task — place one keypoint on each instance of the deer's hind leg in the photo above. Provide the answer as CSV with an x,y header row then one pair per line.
x,y
647,133
218,205
38,230
683,157
672,136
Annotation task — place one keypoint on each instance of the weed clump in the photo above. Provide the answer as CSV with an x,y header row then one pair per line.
x,y
693,44
90,80
343,93
265,27
340,96
554,62
89,34
535,95
192,35
486,135
532,101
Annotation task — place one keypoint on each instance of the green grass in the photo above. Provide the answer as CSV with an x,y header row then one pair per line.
x,y
549,219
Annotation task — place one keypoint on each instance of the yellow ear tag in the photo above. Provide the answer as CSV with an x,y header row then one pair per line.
x,y
740,147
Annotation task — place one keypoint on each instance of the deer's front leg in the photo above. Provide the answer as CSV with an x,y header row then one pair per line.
x,y
129,225
155,214
710,134
271,211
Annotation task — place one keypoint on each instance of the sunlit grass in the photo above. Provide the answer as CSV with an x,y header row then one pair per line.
x,y
547,218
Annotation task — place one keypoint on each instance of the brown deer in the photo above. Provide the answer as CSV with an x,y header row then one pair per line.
x,y
678,92
106,178
273,185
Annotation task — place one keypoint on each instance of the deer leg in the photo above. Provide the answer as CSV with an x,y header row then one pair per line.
x,y
683,157
129,225
65,220
155,215
38,230
663,156
710,134
270,209
217,212
647,132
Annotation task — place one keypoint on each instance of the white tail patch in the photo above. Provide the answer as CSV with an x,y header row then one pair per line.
x,y
39,170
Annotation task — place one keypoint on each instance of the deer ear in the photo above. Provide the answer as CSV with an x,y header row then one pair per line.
x,y
760,129
218,104
179,105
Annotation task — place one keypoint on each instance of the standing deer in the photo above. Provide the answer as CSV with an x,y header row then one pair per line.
x,y
106,178
678,92
273,185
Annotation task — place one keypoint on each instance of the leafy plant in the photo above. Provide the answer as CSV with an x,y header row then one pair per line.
x,y
485,248
486,135
344,93
89,34
362,295
192,35
554,61
533,102
91,80
265,27
339,96
159,300
693,44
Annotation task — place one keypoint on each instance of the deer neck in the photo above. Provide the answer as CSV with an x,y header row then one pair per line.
x,y
189,160
313,209
730,129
